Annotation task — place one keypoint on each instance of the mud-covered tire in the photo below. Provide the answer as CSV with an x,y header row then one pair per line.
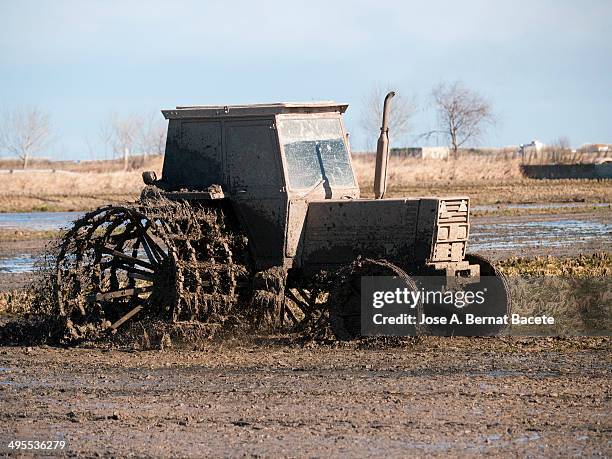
x,y
487,268
345,296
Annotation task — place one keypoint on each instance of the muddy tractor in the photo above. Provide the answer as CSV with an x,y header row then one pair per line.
x,y
258,214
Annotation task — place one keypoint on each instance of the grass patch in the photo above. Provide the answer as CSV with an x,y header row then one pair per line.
x,y
575,291
14,235
16,302
592,265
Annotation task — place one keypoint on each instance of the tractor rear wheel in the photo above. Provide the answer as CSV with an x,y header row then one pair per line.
x,y
171,260
304,308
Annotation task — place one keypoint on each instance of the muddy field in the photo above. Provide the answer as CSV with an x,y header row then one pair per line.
x,y
431,397
275,396
556,234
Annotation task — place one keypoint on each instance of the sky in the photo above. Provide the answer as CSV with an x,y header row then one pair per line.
x,y
545,66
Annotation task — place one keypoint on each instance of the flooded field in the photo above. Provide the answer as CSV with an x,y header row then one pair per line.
x,y
554,233
537,232
18,264
37,220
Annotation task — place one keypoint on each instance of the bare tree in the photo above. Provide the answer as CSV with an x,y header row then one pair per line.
x,y
105,133
25,133
402,110
152,135
127,135
463,114
561,144
122,135
559,151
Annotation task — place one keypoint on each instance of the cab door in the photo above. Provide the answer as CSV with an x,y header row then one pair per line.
x,y
256,186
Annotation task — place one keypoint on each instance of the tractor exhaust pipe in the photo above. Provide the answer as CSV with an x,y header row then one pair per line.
x,y
382,151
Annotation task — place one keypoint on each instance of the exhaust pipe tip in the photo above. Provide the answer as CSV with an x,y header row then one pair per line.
x,y
382,150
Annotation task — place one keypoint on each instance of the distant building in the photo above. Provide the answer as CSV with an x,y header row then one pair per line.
x,y
531,147
595,148
421,152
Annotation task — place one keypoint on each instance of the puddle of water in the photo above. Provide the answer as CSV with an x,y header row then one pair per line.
x,y
551,233
42,221
5,370
532,437
25,263
20,264
549,205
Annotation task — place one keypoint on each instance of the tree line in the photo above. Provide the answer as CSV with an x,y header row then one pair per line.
x,y
28,132
462,114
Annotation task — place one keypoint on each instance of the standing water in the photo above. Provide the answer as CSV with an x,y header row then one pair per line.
x,y
41,221
37,221
517,234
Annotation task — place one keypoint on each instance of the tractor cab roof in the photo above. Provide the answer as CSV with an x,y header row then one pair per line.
x,y
231,111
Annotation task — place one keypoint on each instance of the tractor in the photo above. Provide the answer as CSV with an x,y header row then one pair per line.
x,y
258,212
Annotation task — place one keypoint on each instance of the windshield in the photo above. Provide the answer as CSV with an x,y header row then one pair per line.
x,y
315,152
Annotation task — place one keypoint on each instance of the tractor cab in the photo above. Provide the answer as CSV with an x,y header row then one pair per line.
x,y
293,148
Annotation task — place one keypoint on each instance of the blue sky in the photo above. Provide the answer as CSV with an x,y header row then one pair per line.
x,y
546,66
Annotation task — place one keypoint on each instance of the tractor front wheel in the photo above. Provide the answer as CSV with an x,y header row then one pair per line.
x,y
345,296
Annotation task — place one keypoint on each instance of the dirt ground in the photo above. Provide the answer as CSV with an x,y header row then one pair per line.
x,y
271,396
432,397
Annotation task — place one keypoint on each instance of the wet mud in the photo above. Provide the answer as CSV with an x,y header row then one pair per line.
x,y
270,397
536,235
200,394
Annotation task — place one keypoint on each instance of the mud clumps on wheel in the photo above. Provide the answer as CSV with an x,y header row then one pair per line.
x,y
266,303
330,303
163,259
